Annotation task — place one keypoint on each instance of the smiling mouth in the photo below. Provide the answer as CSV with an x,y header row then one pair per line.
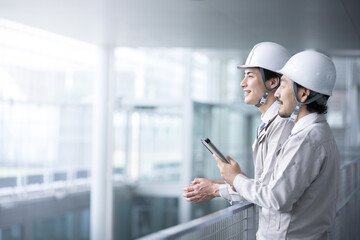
x,y
247,92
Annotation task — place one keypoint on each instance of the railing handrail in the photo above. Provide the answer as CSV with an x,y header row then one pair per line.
x,y
199,223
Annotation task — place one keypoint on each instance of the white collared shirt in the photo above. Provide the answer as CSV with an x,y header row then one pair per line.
x,y
270,113
303,122
300,199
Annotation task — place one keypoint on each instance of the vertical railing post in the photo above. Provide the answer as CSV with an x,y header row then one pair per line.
x,y
254,222
250,232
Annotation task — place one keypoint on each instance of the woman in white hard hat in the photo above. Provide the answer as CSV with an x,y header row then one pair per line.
x,y
300,198
259,85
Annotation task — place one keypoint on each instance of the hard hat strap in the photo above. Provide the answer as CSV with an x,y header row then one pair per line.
x,y
294,115
263,99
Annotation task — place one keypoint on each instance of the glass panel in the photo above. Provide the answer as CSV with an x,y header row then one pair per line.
x,y
149,73
145,139
149,141
147,133
203,78
45,104
340,105
121,141
15,232
234,77
227,129
337,103
160,135
151,214
74,225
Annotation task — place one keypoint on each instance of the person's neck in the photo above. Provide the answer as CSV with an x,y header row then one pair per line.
x,y
302,113
269,101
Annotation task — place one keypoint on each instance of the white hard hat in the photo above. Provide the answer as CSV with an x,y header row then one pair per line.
x,y
268,55
312,70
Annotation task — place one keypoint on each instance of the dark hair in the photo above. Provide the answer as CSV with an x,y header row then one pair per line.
x,y
318,106
270,74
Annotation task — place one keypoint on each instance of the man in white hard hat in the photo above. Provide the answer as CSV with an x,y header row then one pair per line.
x,y
259,85
300,199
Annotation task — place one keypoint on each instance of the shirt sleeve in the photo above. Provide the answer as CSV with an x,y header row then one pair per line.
x,y
297,167
230,195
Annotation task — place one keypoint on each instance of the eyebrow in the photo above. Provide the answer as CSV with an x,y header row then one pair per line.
x,y
248,72
283,80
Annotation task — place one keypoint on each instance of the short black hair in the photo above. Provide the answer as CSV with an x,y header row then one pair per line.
x,y
320,105
270,74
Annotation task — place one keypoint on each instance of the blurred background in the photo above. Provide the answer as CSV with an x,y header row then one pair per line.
x,y
103,104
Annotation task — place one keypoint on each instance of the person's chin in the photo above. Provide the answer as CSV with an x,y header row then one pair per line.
x,y
249,101
283,115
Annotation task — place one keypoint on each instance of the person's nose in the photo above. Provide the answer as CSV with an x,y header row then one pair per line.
x,y
243,83
277,93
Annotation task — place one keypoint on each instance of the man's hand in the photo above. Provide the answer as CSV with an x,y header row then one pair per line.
x,y
228,171
201,190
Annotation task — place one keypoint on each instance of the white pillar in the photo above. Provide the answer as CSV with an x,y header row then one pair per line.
x,y
186,164
352,104
101,201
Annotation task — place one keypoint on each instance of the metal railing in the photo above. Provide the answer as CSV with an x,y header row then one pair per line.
x,y
347,220
241,221
235,222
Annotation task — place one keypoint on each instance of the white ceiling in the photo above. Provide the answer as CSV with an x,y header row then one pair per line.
x,y
331,26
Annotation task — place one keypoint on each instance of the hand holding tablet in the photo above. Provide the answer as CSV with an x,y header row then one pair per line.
x,y
211,147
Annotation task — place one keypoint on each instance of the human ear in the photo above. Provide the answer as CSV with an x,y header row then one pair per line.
x,y
273,83
303,94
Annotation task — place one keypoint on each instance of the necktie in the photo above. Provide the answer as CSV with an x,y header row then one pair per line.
x,y
260,128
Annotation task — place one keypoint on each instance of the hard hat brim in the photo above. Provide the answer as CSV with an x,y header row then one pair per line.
x,y
246,66
280,72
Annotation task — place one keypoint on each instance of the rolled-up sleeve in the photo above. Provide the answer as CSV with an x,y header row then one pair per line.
x,y
230,195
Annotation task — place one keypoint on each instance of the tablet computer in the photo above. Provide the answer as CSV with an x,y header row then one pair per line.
x,y
211,147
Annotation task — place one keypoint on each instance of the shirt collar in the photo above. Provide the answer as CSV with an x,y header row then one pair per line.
x,y
307,121
270,113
